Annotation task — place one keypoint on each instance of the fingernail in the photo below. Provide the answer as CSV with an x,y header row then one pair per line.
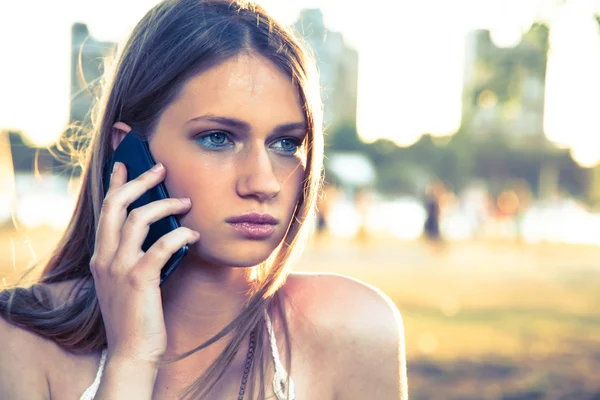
x,y
115,167
157,167
186,200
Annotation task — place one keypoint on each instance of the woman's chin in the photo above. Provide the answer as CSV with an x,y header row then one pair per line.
x,y
236,256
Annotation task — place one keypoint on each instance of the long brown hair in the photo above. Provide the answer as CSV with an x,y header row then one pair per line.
x,y
174,41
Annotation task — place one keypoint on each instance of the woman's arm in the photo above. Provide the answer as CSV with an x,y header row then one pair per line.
x,y
126,379
22,373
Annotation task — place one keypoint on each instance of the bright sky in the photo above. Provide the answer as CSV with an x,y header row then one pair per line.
x,y
411,57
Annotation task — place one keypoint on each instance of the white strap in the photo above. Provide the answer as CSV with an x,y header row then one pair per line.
x,y
90,392
280,380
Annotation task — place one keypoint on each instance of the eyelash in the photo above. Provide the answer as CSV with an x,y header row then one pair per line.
x,y
204,140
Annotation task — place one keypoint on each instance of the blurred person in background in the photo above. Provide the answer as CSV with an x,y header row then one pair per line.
x,y
432,200
228,99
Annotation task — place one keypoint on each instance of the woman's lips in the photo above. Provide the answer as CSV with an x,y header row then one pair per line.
x,y
253,230
254,225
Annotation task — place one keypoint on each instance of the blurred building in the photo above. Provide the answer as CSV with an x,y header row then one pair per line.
x,y
87,67
338,67
503,89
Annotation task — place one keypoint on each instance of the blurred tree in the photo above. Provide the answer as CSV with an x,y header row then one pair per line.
x,y
503,92
344,137
462,159
594,192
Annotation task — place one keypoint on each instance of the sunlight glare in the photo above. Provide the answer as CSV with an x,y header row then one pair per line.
x,y
510,19
587,155
571,116
35,77
414,87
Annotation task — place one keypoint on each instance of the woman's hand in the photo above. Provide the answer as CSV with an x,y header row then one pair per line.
x,y
127,279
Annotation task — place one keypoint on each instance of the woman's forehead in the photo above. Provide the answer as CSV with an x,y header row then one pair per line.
x,y
243,84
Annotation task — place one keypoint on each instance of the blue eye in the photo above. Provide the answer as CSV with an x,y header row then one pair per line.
x,y
288,145
215,140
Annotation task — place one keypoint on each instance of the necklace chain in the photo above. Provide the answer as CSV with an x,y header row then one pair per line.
x,y
249,359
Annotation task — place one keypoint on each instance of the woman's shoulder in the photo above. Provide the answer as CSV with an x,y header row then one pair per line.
x,y
22,364
336,300
28,361
359,329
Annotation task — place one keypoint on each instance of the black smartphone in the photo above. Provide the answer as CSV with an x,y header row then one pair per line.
x,y
134,153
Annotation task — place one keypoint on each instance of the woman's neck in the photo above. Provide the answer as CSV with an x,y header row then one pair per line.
x,y
200,300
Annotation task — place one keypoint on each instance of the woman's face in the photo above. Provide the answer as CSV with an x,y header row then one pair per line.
x,y
232,143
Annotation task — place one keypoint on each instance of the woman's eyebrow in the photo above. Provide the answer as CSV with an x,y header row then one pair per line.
x,y
231,122
294,126
244,126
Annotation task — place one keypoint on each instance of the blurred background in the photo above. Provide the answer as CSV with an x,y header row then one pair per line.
x,y
462,170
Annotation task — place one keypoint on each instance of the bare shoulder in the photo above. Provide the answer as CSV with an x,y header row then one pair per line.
x,y
22,369
360,330
27,360
340,301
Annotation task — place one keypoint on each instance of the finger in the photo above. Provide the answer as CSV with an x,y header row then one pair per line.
x,y
149,266
114,208
110,221
126,194
118,178
138,222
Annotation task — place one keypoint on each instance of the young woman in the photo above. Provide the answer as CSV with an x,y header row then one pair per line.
x,y
229,103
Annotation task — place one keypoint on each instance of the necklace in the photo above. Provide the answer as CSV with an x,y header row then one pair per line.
x,y
249,359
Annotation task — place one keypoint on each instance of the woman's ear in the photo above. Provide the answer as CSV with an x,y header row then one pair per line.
x,y
119,131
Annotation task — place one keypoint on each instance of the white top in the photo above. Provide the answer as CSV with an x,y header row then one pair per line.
x,y
279,381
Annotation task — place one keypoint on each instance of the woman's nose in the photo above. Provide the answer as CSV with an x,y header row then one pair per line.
x,y
256,176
